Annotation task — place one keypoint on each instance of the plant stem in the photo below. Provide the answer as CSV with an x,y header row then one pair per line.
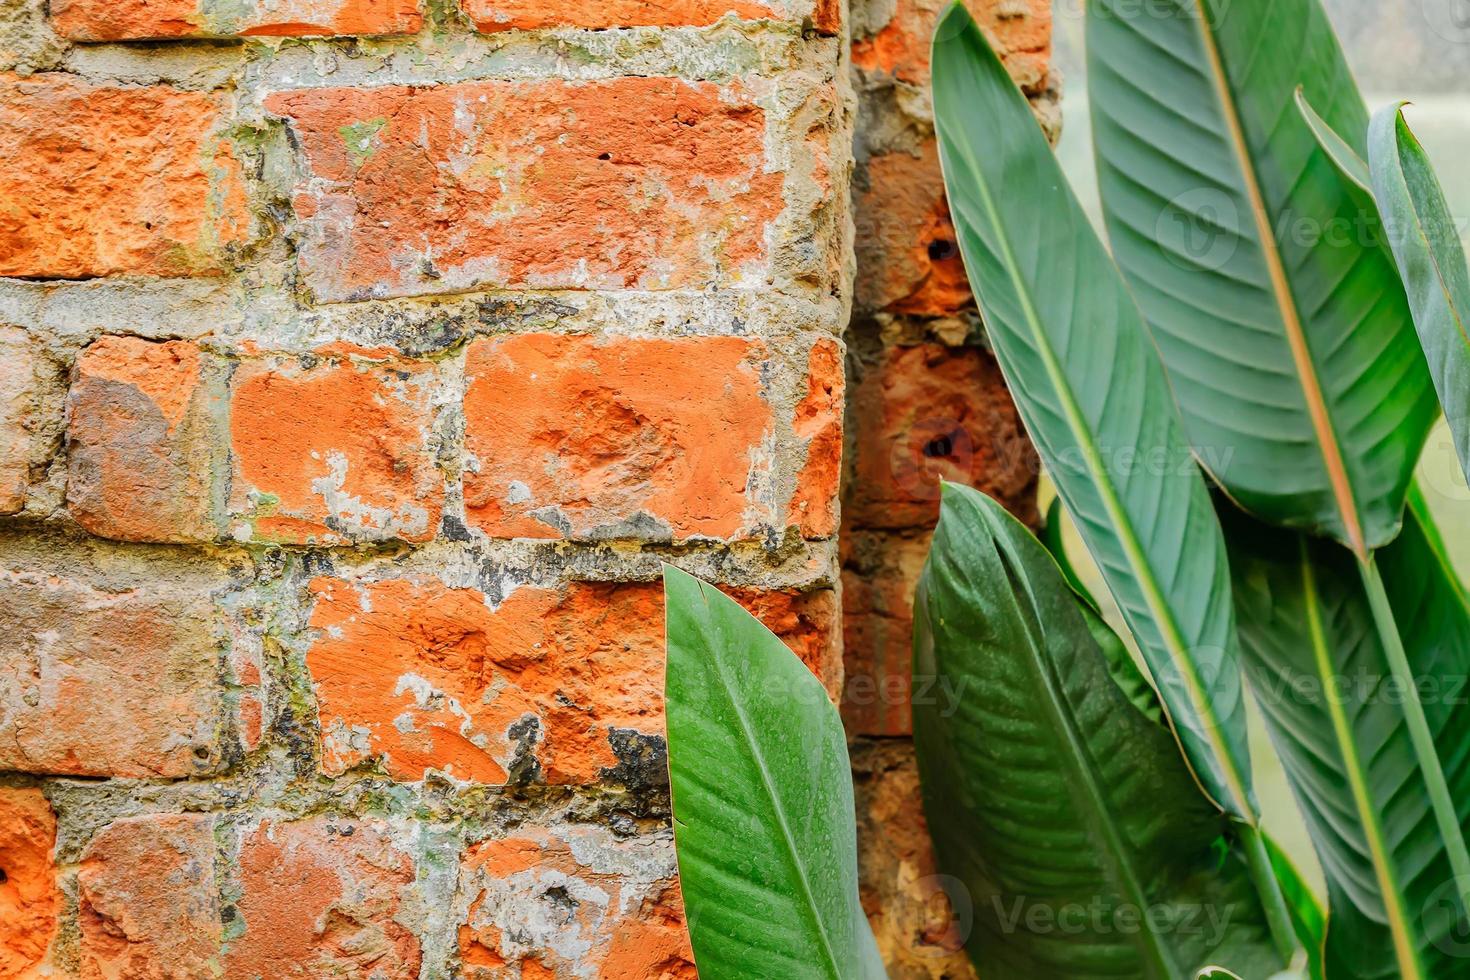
x,y
1419,734
1264,878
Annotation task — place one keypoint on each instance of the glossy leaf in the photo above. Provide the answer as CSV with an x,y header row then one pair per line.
x,y
1426,242
1088,384
763,809
1320,673
1276,307
1055,803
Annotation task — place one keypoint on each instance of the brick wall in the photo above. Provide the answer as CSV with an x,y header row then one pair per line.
x,y
360,362
925,402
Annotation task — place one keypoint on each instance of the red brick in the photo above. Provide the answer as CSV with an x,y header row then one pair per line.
x,y
1020,30
110,683
503,15
569,902
428,677
488,184
148,901
919,932
334,448
139,436
143,20
572,436
99,181
28,896
322,897
819,425
880,572
928,413
18,416
908,257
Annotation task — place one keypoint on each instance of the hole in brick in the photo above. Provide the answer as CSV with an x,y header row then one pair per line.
x,y
941,249
3,876
604,156
201,753
939,447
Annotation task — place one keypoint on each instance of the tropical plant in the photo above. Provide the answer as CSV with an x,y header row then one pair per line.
x,y
1223,129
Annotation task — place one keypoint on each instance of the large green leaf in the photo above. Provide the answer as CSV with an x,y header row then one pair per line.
x,y
763,808
1089,386
1053,800
1321,675
1277,309
1426,243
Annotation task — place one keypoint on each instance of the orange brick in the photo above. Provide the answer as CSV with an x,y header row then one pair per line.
x,y
1020,30
98,181
143,20
148,901
140,442
428,677
654,183
502,15
819,425
110,683
334,448
28,896
566,902
322,897
572,436
928,413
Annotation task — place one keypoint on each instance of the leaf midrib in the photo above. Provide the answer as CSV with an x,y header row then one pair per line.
x,y
1168,629
1405,953
793,854
1296,339
1082,762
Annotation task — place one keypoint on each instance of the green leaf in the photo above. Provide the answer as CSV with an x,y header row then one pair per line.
x,y
1307,916
1056,804
1089,386
1277,309
1351,166
1321,675
763,808
1427,245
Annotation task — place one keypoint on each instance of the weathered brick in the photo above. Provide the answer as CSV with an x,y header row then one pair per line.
x,y
322,897
18,411
111,683
503,15
818,424
573,901
140,441
333,448
907,250
920,933
428,677
143,20
880,573
575,436
899,46
148,900
96,180
928,413
28,896
487,184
